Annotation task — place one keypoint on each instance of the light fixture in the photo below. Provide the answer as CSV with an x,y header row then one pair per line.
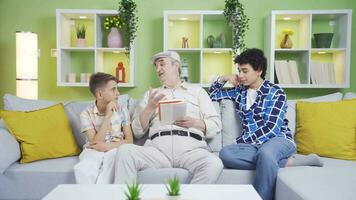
x,y
83,17
26,65
287,18
183,18
321,52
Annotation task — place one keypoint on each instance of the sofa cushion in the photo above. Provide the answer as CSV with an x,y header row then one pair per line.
x,y
43,134
214,143
335,180
73,110
350,95
35,180
291,110
327,129
15,103
9,148
231,122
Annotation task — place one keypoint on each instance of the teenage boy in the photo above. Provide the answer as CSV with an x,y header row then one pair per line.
x,y
266,143
107,126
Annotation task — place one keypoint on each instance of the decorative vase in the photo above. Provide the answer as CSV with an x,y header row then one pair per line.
x,y
81,42
114,38
323,40
286,43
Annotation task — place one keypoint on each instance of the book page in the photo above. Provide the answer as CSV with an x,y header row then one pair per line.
x,y
171,110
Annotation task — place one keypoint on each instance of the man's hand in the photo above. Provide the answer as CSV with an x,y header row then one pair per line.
x,y
233,79
189,122
113,106
153,98
99,146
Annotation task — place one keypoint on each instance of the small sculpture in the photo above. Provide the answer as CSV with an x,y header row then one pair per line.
x,y
185,43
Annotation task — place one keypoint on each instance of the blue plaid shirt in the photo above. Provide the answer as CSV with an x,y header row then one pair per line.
x,y
266,117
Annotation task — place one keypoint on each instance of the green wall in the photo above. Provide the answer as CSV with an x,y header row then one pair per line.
x,y
39,16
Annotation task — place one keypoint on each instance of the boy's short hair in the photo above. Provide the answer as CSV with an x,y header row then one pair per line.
x,y
255,58
99,80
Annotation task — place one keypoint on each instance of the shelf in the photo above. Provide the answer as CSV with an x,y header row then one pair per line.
x,y
204,63
95,56
316,67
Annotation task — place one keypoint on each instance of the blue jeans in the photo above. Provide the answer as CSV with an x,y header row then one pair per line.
x,y
266,159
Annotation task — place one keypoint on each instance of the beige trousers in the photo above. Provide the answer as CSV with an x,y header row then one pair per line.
x,y
205,166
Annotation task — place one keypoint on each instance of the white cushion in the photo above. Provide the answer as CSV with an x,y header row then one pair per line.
x,y
9,148
350,95
231,122
15,103
291,110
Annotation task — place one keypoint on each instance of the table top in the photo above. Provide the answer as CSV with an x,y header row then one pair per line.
x,y
152,192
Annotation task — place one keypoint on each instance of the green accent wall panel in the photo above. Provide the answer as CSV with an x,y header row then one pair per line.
x,y
39,16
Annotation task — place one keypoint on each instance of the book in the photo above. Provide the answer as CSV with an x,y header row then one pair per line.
x,y
171,110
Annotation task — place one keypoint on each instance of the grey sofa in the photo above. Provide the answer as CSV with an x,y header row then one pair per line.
x,y
336,180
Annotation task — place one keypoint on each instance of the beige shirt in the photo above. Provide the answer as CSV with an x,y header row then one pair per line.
x,y
199,106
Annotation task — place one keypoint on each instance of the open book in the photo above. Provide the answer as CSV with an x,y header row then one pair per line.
x,y
171,110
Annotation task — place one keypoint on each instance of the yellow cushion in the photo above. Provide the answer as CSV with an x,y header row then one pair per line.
x,y
327,129
42,134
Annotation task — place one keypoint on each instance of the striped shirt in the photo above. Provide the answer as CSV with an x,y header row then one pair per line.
x,y
265,118
91,118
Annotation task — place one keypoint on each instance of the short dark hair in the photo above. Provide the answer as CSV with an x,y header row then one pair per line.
x,y
255,58
99,80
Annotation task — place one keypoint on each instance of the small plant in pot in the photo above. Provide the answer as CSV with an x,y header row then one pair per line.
x,y
133,191
173,188
80,32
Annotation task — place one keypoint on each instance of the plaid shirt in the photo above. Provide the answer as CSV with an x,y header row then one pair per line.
x,y
91,118
266,117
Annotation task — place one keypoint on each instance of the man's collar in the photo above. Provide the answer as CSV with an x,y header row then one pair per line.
x,y
183,85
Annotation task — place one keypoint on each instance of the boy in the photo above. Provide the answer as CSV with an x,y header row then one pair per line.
x,y
102,122
266,143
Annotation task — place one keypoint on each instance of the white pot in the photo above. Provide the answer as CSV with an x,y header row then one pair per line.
x,y
81,42
173,197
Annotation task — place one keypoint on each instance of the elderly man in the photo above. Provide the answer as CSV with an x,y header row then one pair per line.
x,y
178,145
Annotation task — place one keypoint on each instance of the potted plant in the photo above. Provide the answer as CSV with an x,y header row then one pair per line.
x,y
133,191
173,188
113,23
127,13
236,18
80,32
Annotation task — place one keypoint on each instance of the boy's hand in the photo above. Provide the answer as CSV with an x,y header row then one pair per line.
x,y
99,146
153,99
113,106
233,79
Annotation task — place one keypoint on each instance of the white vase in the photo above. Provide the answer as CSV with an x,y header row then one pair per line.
x,y
114,38
81,42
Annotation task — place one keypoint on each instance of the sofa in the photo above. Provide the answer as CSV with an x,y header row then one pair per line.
x,y
335,180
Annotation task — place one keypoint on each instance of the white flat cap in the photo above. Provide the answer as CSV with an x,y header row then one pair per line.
x,y
166,54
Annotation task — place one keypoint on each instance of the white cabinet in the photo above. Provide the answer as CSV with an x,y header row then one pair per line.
x,y
74,62
310,62
205,60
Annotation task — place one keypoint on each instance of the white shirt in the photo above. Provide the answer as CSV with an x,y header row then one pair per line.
x,y
199,106
250,97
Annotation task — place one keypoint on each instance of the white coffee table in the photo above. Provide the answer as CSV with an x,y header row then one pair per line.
x,y
153,192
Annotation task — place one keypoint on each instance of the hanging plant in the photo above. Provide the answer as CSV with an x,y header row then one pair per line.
x,y
236,18
127,14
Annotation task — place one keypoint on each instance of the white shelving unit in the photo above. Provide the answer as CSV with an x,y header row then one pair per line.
x,y
204,63
335,61
96,56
